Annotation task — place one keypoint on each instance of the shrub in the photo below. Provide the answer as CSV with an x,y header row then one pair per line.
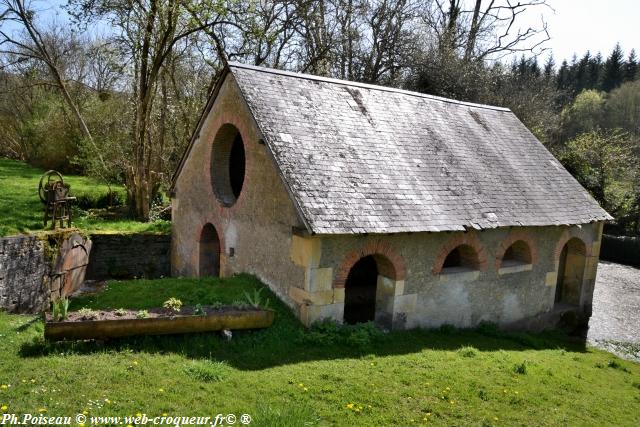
x,y
328,332
468,351
99,201
520,368
207,371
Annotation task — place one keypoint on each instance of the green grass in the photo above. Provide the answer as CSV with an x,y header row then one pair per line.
x,y
22,210
288,376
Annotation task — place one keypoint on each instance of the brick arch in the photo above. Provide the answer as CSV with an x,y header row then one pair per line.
x,y
390,263
208,220
513,237
568,235
469,239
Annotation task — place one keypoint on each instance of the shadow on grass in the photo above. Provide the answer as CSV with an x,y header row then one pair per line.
x,y
287,341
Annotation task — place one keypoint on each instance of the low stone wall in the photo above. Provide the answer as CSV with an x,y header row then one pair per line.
x,y
123,256
36,268
22,272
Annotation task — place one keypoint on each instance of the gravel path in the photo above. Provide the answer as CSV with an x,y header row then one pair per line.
x,y
615,323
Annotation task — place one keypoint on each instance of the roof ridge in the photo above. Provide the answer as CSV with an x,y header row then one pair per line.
x,y
364,85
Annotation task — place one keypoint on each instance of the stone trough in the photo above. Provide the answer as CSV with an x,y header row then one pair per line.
x,y
176,324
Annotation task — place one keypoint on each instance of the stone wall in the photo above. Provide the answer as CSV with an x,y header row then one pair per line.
x,y
414,291
22,270
123,256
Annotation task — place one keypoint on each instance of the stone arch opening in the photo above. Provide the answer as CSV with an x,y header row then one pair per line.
x,y
360,291
571,267
461,258
228,164
518,253
209,262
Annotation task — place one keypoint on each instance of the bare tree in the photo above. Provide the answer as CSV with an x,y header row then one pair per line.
x,y
485,29
34,44
148,32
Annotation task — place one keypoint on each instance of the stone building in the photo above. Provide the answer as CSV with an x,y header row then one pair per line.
x,y
356,202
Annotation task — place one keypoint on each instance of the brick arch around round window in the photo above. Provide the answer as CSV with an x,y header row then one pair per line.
x,y
513,237
242,126
468,239
390,264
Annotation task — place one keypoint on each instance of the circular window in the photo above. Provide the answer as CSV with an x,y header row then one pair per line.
x,y
227,164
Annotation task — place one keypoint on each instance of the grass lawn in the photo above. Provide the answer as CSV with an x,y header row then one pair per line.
x,y
22,210
288,376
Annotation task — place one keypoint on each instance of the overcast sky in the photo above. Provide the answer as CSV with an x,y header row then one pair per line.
x,y
576,26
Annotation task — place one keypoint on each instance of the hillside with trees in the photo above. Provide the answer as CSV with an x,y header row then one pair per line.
x,y
114,90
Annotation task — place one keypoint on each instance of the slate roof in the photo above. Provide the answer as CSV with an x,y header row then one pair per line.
x,y
359,158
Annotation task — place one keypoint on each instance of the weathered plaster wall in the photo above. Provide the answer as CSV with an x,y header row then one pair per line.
x,y
22,269
417,295
129,255
257,228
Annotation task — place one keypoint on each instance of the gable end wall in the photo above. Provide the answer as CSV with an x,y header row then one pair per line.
x,y
257,228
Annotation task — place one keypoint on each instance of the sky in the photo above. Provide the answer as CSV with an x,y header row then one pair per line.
x,y
576,26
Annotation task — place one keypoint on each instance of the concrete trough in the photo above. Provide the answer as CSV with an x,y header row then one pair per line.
x,y
180,324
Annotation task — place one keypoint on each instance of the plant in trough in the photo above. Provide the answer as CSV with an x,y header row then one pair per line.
x,y
88,314
59,308
198,310
173,304
255,299
142,314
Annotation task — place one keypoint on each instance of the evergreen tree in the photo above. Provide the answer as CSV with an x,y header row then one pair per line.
x,y
631,67
613,69
563,78
595,71
549,67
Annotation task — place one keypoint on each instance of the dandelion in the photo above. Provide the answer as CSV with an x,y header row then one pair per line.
x,y
161,390
164,414
24,381
42,410
448,388
4,386
138,415
350,405
135,363
305,389
32,381
495,418
3,408
428,414
85,412
107,401
301,385
453,402
515,392
80,424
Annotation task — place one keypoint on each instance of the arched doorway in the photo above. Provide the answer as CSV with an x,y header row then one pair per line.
x,y
571,267
360,291
209,252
